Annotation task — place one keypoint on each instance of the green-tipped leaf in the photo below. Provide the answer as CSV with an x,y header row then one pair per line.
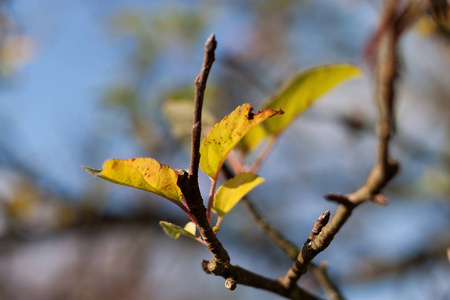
x,y
175,231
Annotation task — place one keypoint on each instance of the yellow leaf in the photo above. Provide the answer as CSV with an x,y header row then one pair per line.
x,y
226,134
299,92
233,190
142,173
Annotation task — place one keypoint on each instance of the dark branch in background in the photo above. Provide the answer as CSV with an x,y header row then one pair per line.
x,y
320,273
374,269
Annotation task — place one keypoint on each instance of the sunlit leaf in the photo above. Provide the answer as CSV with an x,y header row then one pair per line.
x,y
175,231
142,173
233,190
299,92
227,133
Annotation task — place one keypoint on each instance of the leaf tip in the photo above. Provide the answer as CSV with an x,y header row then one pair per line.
x,y
170,229
354,70
280,111
93,172
250,114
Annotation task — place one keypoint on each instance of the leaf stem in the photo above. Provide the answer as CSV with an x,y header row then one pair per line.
x,y
200,240
264,153
235,161
211,196
218,223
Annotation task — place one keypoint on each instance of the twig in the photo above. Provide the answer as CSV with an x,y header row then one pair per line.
x,y
236,161
286,246
211,197
200,86
306,254
320,273
339,199
264,153
319,224
188,181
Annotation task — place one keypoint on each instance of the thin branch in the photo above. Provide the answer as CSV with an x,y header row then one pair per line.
x,y
332,291
319,224
289,248
339,199
264,153
211,197
188,181
307,253
286,246
236,162
200,86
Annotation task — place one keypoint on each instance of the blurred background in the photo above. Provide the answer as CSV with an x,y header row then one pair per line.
x,y
84,81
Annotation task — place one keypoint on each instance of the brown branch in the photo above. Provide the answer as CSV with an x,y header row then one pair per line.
x,y
433,251
306,254
200,86
264,153
242,276
319,224
339,199
188,181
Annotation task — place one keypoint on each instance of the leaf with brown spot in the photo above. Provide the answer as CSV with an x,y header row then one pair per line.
x,y
227,133
142,173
